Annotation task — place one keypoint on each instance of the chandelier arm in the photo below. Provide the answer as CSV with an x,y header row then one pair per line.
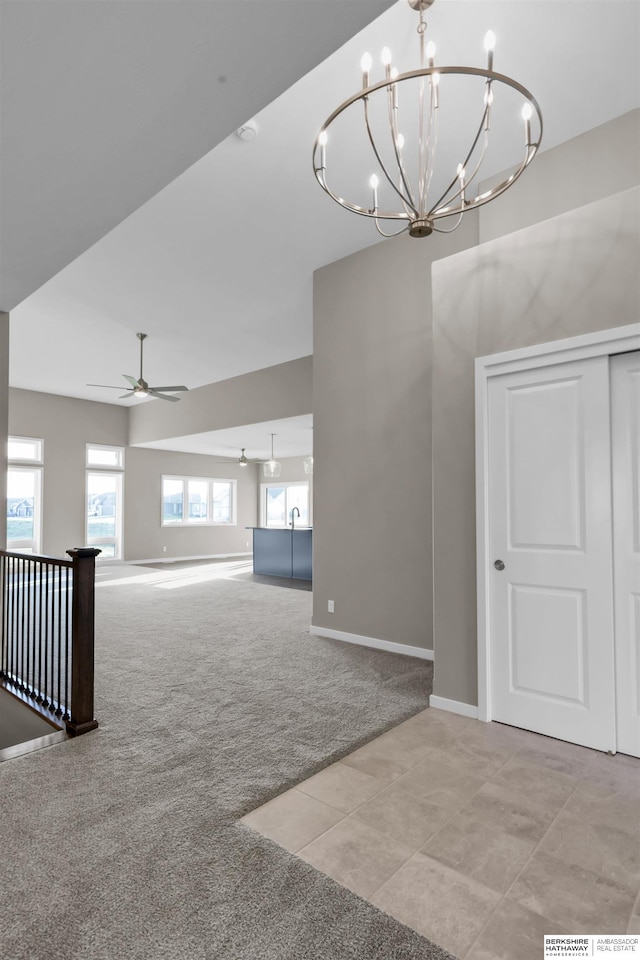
x,y
388,235
454,227
489,76
393,123
446,192
495,191
405,201
464,184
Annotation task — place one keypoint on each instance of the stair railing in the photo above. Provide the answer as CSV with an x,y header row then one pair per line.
x,y
47,634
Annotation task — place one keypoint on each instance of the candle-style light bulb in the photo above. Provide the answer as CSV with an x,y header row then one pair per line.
x,y
489,45
322,140
365,66
373,183
400,141
527,113
386,62
431,52
461,175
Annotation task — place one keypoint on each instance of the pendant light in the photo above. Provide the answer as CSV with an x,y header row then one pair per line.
x,y
272,468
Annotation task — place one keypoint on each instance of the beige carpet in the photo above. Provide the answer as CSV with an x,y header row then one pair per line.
x,y
212,697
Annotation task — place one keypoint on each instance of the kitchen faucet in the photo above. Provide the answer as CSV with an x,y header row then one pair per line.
x,y
293,522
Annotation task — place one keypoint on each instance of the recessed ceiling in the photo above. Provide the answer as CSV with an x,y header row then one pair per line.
x,y
293,438
218,266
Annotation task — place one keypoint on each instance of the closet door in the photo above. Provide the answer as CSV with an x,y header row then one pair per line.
x,y
625,437
551,594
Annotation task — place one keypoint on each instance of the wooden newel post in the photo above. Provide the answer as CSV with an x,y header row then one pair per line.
x,y
82,640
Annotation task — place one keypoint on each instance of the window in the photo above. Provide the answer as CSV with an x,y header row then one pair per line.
x,y
198,501
104,500
109,458
25,449
279,499
24,494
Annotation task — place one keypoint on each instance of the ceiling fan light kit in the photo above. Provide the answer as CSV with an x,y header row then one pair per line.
x,y
140,388
405,153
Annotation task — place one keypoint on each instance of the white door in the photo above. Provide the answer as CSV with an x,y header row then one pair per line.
x,y
551,604
625,434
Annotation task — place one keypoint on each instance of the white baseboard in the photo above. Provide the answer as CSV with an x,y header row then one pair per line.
x,y
454,706
197,556
402,648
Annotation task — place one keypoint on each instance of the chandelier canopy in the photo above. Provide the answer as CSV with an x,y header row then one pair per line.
x,y
411,123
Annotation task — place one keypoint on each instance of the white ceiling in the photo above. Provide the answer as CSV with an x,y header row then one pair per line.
x,y
293,437
217,267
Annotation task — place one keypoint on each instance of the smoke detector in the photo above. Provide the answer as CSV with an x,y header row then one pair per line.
x,y
248,131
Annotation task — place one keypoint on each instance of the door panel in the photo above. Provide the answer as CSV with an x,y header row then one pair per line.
x,y
625,417
551,605
546,486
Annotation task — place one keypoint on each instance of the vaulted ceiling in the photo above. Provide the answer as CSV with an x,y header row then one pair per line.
x,y
129,204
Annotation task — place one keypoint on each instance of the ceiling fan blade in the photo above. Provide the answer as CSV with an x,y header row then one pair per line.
x,y
168,389
107,386
163,396
131,380
124,396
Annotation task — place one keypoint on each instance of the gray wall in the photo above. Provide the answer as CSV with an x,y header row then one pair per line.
x,y
4,420
591,167
372,439
273,393
145,537
570,275
373,352
67,425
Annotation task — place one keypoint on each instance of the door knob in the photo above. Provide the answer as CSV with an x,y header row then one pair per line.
x,y
499,565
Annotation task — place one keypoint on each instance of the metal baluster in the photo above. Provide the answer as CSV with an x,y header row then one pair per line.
x,y
40,636
59,643
3,631
23,638
67,653
27,600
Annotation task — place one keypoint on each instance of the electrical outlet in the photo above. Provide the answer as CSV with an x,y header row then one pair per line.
x,y
331,607
164,549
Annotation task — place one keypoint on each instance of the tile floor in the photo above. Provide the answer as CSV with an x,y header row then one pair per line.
x,y
479,836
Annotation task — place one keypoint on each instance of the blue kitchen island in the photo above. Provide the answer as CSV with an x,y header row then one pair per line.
x,y
282,552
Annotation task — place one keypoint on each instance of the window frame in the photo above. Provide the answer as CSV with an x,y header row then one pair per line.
x,y
37,460
195,523
106,470
33,546
284,483
115,467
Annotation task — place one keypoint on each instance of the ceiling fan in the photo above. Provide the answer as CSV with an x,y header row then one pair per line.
x,y
242,460
140,387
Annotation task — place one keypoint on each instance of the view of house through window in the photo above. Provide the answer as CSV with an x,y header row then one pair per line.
x,y
24,494
279,499
104,500
188,501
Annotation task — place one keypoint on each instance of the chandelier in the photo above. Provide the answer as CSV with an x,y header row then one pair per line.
x,y
403,133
